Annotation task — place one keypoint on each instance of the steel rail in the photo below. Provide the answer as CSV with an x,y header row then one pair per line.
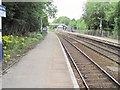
x,y
87,87
97,51
116,45
95,45
111,78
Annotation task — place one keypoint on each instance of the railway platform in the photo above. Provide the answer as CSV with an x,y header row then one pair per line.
x,y
45,66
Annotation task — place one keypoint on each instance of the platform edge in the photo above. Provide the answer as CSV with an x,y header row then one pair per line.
x,y
74,81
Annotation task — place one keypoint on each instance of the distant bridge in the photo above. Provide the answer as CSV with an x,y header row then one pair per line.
x,y
57,24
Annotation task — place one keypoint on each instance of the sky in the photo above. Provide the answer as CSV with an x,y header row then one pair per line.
x,y
70,8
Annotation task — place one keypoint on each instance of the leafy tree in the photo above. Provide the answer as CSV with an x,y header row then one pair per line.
x,y
80,24
72,23
25,17
63,20
105,11
116,31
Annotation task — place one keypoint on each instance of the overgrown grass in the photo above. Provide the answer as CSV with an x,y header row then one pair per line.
x,y
15,46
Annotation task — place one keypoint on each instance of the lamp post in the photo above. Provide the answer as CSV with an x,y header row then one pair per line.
x,y
100,25
41,22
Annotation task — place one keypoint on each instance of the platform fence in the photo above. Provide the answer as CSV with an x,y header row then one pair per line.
x,y
99,33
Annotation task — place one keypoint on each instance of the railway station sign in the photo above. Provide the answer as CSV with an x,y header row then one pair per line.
x,y
2,11
2,14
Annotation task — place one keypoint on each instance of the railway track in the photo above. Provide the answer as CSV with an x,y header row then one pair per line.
x,y
107,50
90,73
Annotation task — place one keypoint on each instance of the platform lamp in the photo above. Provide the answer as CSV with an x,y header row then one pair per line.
x,y
100,25
41,18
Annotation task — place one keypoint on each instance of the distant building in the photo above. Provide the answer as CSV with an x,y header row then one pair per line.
x,y
60,28
65,27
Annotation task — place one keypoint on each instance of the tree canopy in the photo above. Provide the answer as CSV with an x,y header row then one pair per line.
x,y
97,14
25,17
94,11
80,23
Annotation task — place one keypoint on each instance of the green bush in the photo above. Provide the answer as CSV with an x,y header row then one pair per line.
x,y
14,45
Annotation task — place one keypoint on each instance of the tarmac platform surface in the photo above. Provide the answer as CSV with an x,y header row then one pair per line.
x,y
45,66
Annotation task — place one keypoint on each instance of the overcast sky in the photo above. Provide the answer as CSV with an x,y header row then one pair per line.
x,y
69,8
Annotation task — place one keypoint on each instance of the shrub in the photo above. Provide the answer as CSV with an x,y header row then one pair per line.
x,y
14,45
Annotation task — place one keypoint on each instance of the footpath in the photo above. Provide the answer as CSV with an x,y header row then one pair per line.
x,y
45,66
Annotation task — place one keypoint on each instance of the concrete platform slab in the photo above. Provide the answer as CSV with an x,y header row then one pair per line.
x,y
43,67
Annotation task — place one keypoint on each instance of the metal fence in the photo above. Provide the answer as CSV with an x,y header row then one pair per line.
x,y
98,33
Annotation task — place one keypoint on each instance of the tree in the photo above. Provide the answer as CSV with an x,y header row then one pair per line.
x,y
99,10
116,31
80,24
72,23
24,17
63,20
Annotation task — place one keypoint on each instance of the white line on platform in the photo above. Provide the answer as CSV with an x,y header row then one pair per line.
x,y
74,81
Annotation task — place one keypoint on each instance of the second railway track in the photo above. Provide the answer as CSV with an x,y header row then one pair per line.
x,y
91,74
109,51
